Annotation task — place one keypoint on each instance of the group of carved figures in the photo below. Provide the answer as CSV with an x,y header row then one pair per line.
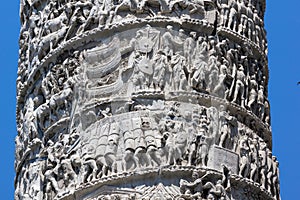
x,y
49,102
199,188
205,64
243,17
47,24
138,143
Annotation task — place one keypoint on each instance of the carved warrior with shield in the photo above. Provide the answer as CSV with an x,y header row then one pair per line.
x,y
144,100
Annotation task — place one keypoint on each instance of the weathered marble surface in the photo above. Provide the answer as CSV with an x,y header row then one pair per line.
x,y
144,100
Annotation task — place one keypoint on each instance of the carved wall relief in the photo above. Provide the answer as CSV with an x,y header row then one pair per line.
x,y
143,100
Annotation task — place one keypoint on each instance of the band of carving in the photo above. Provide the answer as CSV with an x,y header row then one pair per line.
x,y
167,97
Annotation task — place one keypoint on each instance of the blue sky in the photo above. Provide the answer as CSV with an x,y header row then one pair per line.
x,y
282,22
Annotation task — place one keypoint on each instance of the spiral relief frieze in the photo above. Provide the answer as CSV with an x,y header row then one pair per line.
x,y
144,100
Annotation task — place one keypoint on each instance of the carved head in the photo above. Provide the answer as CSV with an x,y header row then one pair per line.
x,y
195,174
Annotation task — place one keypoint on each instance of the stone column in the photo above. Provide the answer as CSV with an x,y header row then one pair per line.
x,y
144,100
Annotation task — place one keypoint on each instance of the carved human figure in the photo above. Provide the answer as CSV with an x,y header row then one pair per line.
x,y
129,160
252,96
212,118
242,10
240,86
93,16
244,155
180,143
202,48
250,23
218,191
196,7
203,151
106,12
261,102
263,163
212,80
221,90
192,143
141,149
257,28
152,137
89,166
69,176
267,112
198,79
29,125
232,18
231,58
33,22
161,63
269,171
168,140
254,159
51,184
177,63
224,127
189,46
167,41
140,79
224,11
78,18
193,188
111,148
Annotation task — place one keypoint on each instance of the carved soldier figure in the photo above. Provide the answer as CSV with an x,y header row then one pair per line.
x,y
257,28
261,102
69,176
180,143
221,89
198,80
89,166
112,147
167,42
254,159
253,93
224,127
192,143
224,7
244,156
178,62
161,63
189,46
263,163
269,170
240,86
250,23
152,138
232,18
51,184
219,191
242,10
129,159
141,149
203,150
194,188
